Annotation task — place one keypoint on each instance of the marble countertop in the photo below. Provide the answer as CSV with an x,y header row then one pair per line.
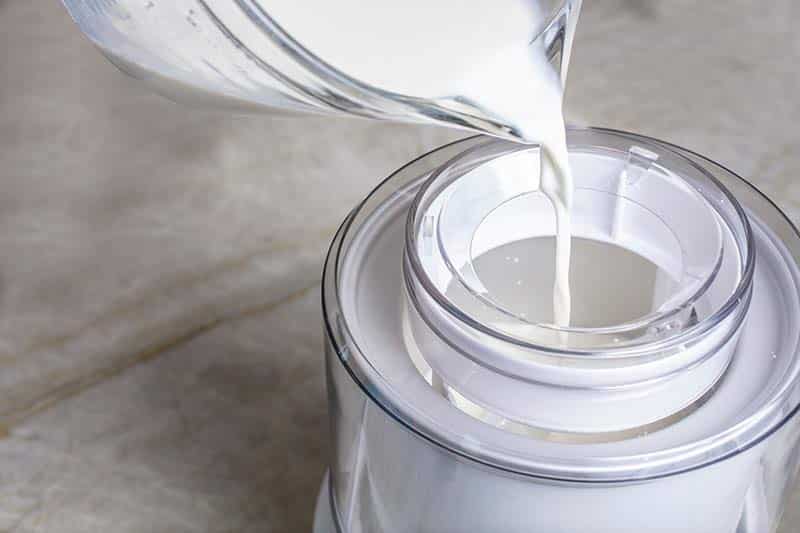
x,y
160,336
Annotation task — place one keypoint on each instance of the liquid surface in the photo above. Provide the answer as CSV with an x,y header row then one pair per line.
x,y
610,284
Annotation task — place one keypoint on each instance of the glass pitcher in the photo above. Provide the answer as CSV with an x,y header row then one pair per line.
x,y
235,55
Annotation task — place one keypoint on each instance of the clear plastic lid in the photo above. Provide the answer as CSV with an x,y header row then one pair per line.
x,y
640,201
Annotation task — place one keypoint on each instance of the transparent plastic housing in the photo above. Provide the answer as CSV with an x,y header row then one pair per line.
x,y
415,446
235,55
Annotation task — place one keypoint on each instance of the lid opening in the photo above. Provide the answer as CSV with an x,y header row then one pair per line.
x,y
652,257
660,271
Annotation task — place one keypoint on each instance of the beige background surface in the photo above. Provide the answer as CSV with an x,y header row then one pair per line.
x,y
160,363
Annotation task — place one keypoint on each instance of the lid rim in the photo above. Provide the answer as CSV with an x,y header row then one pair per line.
x,y
626,351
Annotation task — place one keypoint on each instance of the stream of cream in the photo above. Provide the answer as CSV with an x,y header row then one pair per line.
x,y
480,52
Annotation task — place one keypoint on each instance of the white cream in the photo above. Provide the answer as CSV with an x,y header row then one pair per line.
x,y
479,51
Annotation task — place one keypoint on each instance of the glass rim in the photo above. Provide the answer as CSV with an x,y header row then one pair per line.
x,y
371,101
